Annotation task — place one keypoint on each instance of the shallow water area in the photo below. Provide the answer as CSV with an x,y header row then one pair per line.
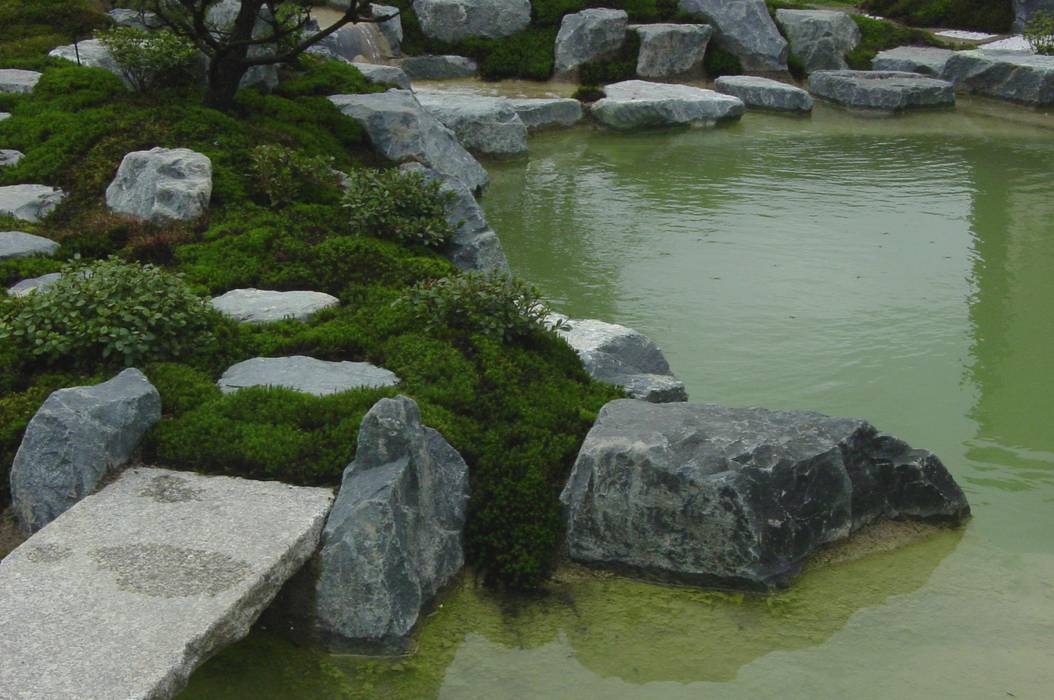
x,y
897,269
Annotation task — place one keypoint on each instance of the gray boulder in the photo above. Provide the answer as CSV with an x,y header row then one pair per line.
x,y
762,93
9,158
21,289
363,42
4,115
17,244
17,81
1025,10
438,67
1005,75
482,124
475,246
384,75
455,20
76,437
636,104
394,536
162,185
671,50
587,36
926,60
144,20
621,356
889,91
91,53
745,29
739,497
401,130
392,28
305,374
265,306
539,113
820,38
29,202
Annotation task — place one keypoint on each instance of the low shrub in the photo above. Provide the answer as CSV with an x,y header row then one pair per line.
x,y
398,206
994,16
148,60
284,176
1040,33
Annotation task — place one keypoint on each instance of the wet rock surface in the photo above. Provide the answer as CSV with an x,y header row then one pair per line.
x,y
763,93
889,91
539,113
637,104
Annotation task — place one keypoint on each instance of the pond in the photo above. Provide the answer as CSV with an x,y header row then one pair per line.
x,y
897,269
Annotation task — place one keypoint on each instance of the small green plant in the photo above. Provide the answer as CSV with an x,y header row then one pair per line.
x,y
285,176
398,206
148,60
1040,33
496,306
109,312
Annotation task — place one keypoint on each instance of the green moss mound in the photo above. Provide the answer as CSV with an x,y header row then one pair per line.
x,y
994,16
879,35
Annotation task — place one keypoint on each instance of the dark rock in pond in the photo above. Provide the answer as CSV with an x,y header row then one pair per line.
x,y
889,91
77,436
1005,75
927,60
739,497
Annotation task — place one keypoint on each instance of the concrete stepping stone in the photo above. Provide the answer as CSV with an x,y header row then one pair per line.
x,y
927,60
264,305
889,91
29,202
306,374
21,289
9,157
17,81
17,244
129,591
638,104
763,93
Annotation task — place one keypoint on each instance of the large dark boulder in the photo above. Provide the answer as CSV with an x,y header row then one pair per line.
x,y
739,496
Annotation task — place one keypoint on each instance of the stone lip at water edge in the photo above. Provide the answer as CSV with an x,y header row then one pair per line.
x,y
539,113
820,38
744,28
587,36
265,305
76,437
18,244
763,93
739,497
438,67
1006,75
454,20
15,80
927,60
483,124
29,202
637,104
889,91
306,374
162,185
671,50
129,591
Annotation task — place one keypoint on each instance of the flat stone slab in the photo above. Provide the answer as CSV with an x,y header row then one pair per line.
x,y
927,60
29,202
438,67
9,157
384,75
14,80
17,244
300,373
539,113
21,289
265,306
1004,75
890,91
483,124
638,104
4,115
763,93
126,593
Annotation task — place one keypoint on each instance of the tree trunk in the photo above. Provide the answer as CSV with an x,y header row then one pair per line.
x,y
225,75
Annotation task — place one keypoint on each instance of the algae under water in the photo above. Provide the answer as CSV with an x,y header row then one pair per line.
x,y
897,269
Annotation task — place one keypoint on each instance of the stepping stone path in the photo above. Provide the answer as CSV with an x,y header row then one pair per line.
x,y
305,374
384,75
29,202
927,60
17,244
483,124
763,93
162,185
264,306
21,289
547,112
9,158
1005,75
438,67
14,80
889,91
129,591
637,104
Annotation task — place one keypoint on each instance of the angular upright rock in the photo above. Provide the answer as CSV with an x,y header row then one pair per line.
x,y
637,104
454,20
739,496
671,50
745,29
76,437
588,35
820,38
162,185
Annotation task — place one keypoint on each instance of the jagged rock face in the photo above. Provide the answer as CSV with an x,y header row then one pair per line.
x,y
29,202
18,244
820,38
889,91
162,185
1005,75
18,81
454,20
926,60
739,496
587,36
763,93
76,437
745,29
394,536
671,50
1024,10
636,104
483,124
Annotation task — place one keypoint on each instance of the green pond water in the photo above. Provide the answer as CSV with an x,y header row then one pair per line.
x,y
897,269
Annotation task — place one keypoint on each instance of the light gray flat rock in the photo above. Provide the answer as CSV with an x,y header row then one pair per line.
x,y
637,104
15,80
588,35
21,289
671,50
539,113
1004,75
126,593
306,374
4,115
162,185
264,305
10,157
483,124
17,244
92,53
763,93
384,75
29,202
438,67
927,60
454,20
889,91
744,28
819,38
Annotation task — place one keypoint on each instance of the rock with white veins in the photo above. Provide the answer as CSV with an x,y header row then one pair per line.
x,y
265,306
18,244
29,202
671,50
18,81
483,124
763,93
162,185
129,591
637,104
306,374
888,91
819,38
